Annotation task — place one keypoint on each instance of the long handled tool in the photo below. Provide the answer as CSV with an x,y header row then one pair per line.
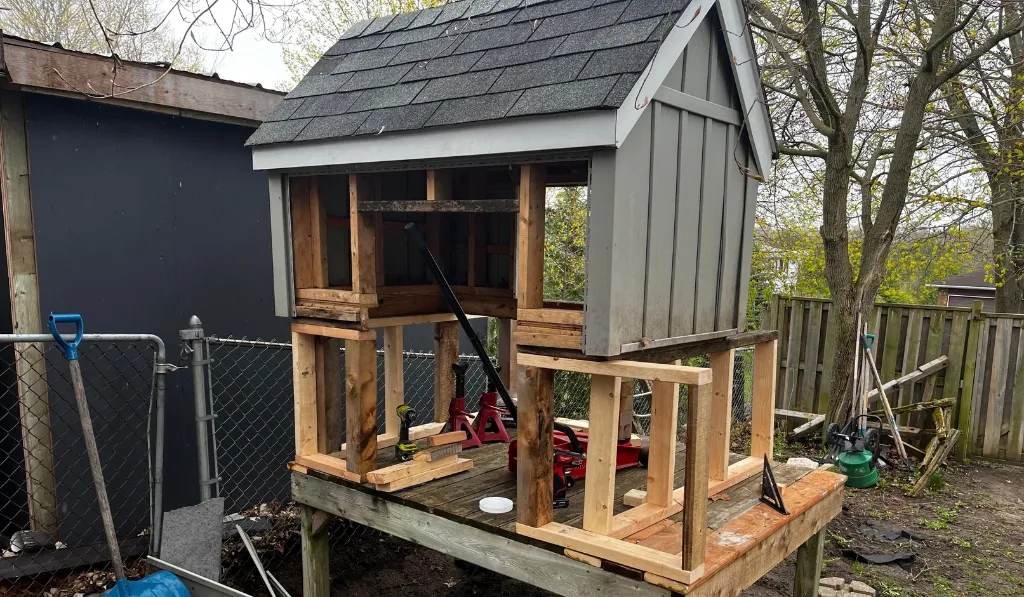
x,y
161,584
894,428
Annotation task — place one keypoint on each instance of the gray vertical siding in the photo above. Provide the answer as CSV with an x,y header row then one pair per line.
x,y
672,213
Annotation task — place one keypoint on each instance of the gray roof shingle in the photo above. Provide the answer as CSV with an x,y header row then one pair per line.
x,y
473,60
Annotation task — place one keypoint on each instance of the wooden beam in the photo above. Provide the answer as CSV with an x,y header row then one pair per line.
x,y
398,321
672,353
405,469
23,285
443,439
535,565
443,468
318,233
695,501
762,408
471,206
929,368
722,364
303,265
507,355
333,331
478,249
361,405
530,259
627,388
570,317
602,446
304,389
649,371
535,436
394,379
336,295
661,460
316,557
446,354
329,464
363,243
328,395
386,440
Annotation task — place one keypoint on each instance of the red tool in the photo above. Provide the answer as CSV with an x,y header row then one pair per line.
x,y
458,418
627,455
488,425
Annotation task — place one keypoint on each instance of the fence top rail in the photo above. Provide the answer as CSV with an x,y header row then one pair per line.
x,y
156,340
247,342
815,299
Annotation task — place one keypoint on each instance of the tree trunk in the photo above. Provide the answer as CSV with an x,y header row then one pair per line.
x,y
1007,250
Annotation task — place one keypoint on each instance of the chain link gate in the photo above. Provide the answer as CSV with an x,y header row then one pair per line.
x,y
45,482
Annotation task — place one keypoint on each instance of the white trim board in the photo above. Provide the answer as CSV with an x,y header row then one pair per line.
x,y
577,130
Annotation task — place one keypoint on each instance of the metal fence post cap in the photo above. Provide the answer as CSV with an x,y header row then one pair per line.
x,y
194,331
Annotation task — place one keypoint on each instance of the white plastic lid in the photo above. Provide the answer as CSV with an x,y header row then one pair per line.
x,y
496,505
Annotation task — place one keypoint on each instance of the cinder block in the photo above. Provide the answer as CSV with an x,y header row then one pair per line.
x,y
832,583
859,588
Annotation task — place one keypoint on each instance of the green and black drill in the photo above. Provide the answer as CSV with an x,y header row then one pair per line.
x,y
405,447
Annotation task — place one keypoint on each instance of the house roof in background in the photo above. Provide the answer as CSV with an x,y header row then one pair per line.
x,y
474,61
972,280
49,68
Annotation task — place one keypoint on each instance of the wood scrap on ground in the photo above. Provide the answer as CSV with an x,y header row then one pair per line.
x,y
442,439
939,448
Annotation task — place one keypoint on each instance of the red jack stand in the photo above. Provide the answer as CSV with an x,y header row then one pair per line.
x,y
489,417
458,418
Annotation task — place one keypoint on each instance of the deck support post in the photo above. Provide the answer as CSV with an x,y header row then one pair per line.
x,y
599,494
328,394
535,434
762,412
316,577
808,566
661,461
721,414
446,354
361,406
394,378
695,499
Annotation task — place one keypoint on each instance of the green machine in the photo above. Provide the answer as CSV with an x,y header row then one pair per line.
x,y
855,449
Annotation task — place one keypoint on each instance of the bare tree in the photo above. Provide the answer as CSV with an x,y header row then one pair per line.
x,y
850,85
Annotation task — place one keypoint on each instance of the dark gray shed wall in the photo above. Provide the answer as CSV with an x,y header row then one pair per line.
x,y
672,214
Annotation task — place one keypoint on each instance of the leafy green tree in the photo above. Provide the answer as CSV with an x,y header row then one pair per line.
x,y
565,244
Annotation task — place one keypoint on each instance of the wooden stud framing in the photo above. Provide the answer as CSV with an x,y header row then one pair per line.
x,y
649,371
722,364
304,389
535,436
446,354
328,394
309,233
661,461
626,390
599,496
530,261
394,379
762,413
361,405
507,355
332,331
361,187
695,500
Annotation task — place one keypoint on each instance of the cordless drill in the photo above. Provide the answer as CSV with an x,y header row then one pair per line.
x,y
405,447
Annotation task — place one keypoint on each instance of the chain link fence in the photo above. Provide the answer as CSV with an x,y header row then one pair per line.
x,y
50,527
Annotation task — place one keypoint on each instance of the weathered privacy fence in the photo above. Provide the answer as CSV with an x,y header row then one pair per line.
x,y
986,358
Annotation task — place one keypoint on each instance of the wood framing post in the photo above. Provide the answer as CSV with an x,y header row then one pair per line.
x,y
722,364
536,428
599,497
507,355
626,389
530,260
304,390
695,498
309,233
762,409
361,406
808,566
316,577
361,187
446,354
439,188
661,460
328,394
23,281
394,378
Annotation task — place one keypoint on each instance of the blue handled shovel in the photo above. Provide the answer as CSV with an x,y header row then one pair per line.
x,y
161,584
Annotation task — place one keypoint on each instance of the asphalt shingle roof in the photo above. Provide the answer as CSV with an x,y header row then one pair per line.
x,y
472,61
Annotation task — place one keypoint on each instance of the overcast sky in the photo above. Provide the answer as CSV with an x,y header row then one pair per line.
x,y
254,61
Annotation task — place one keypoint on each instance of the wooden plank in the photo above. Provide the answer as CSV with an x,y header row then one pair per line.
x,y
435,454
1015,441
535,434
394,378
527,563
404,320
317,234
443,439
808,566
762,409
439,185
530,259
363,244
361,405
23,288
955,353
888,353
564,341
328,464
328,394
409,468
720,436
446,354
444,469
316,556
304,388
805,394
627,387
910,359
793,343
303,266
337,295
333,331
976,328
507,357
918,374
637,370
570,317
661,461
827,354
599,497
472,206
997,388
807,428
695,501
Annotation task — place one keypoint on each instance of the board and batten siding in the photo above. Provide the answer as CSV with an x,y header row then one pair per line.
x,y
670,232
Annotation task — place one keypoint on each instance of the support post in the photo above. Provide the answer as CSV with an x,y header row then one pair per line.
x,y
695,498
762,410
22,276
808,566
599,497
304,390
316,577
507,355
661,461
361,406
193,336
536,428
722,364
626,388
363,241
530,260
394,378
328,394
446,354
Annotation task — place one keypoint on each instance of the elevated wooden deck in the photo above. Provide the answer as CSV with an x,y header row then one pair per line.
x,y
745,538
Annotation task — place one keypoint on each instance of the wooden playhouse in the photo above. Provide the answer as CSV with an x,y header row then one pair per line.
x,y
459,118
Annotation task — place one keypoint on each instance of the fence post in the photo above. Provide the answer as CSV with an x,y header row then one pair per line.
x,y
963,410
192,339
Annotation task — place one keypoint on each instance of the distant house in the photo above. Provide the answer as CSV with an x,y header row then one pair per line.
x,y
963,290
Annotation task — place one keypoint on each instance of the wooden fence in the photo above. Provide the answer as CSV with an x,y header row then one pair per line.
x,y
986,357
